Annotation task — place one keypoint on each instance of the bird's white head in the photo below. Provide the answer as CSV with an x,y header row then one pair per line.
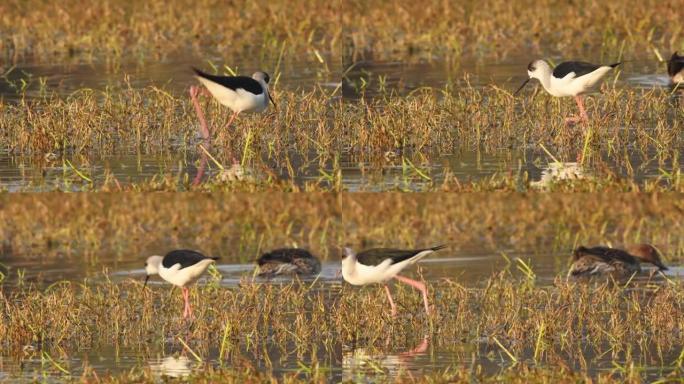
x,y
538,68
152,267
263,78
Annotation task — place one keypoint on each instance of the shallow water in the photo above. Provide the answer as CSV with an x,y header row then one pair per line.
x,y
36,173
369,77
467,266
348,362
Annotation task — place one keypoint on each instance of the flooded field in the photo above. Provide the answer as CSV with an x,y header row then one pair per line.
x,y
403,167
101,248
393,124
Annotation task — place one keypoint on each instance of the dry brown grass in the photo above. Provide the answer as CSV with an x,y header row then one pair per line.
x,y
397,28
241,224
123,28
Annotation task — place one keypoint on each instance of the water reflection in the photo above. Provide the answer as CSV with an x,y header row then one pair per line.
x,y
360,365
171,366
556,172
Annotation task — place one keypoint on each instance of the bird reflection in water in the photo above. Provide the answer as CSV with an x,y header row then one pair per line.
x,y
360,363
171,366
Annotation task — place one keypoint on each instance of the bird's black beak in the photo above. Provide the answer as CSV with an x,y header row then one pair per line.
x,y
523,84
272,102
146,278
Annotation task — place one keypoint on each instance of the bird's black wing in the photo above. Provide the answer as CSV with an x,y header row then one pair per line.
x,y
376,256
284,255
184,257
675,64
233,82
580,68
605,254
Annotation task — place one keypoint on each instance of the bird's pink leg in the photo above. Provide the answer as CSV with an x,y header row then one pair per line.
x,y
420,348
391,302
200,171
417,285
580,105
231,119
189,306
204,128
186,310
582,115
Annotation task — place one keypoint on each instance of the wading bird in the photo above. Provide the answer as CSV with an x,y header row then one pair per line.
x,y
288,261
570,78
613,261
379,265
181,268
239,93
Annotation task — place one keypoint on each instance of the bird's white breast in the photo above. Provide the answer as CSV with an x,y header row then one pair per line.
x,y
185,276
239,100
359,274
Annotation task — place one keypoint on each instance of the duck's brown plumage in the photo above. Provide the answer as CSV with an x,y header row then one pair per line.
x,y
675,68
613,261
288,261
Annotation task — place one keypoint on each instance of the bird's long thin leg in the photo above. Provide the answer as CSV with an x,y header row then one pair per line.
x,y
391,302
235,162
186,310
580,105
420,348
189,306
417,285
202,168
204,128
231,119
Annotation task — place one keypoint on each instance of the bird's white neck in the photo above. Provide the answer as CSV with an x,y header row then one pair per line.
x,y
348,267
545,80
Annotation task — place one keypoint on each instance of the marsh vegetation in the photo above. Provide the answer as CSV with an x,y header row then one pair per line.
x,y
377,96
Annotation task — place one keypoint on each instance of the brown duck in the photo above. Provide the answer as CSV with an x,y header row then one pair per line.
x,y
613,261
288,261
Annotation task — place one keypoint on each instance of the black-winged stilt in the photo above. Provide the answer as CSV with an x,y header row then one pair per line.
x,y
570,78
288,261
613,261
675,68
239,93
181,267
378,265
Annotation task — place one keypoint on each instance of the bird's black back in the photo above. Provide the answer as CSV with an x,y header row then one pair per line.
x,y
375,256
233,82
284,255
580,68
184,257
